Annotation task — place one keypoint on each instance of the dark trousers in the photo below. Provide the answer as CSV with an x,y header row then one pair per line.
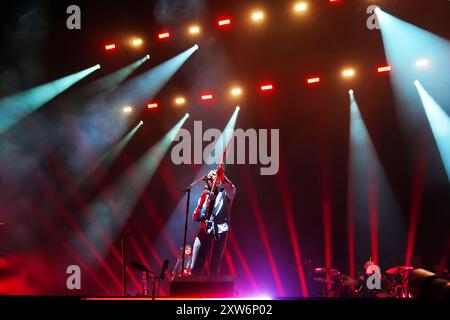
x,y
203,248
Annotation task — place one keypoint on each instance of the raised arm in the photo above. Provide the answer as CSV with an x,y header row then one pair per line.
x,y
230,189
199,212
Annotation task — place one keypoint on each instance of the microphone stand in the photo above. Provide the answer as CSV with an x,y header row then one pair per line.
x,y
124,263
157,278
124,266
154,286
188,191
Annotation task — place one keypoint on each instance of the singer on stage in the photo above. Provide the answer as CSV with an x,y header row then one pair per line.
x,y
213,211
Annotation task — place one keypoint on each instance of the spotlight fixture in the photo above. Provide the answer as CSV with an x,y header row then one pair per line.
x,y
384,69
422,63
153,105
164,35
266,87
348,73
207,97
236,91
194,30
110,46
180,101
300,7
127,109
257,16
224,22
137,42
313,80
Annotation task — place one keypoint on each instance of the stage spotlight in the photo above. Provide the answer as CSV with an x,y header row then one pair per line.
x,y
196,47
266,87
238,108
439,122
126,190
422,63
187,115
207,97
110,46
384,69
180,101
153,105
224,22
127,109
350,92
236,91
257,16
101,165
137,92
172,224
313,80
194,30
15,107
137,42
300,7
164,35
147,57
348,73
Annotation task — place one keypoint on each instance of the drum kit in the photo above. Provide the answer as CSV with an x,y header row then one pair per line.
x,y
333,284
397,281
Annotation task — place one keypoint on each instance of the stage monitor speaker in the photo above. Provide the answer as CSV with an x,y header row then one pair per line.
x,y
203,287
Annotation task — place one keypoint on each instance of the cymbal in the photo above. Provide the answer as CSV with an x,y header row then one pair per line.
x,y
141,267
327,271
399,269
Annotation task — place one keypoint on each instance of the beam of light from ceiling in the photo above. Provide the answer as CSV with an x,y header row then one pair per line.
x,y
175,224
257,213
104,122
375,209
107,84
289,214
16,107
101,166
415,53
439,123
123,194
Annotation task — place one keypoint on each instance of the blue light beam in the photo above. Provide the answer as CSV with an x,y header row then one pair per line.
x,y
122,195
14,108
439,123
415,53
